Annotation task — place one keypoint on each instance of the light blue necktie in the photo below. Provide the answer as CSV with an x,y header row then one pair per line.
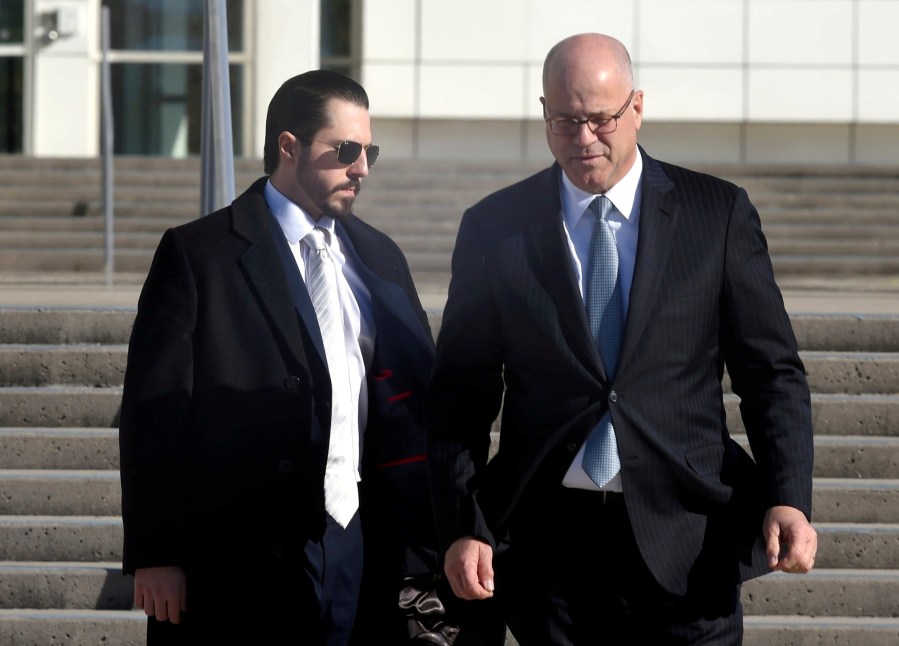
x,y
606,317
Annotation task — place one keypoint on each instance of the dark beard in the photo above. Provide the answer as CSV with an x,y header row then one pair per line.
x,y
342,214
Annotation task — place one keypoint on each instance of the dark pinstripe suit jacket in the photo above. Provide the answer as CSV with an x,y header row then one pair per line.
x,y
703,297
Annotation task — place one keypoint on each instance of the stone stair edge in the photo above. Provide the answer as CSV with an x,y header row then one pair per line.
x,y
252,161
858,334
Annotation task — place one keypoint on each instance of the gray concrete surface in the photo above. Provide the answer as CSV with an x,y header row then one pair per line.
x,y
856,296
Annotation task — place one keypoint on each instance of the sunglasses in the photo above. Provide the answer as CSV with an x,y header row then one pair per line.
x,y
348,151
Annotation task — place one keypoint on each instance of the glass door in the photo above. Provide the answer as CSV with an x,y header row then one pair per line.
x,y
156,63
12,76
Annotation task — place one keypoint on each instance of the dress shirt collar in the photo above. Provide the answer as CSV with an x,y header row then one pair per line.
x,y
294,221
622,195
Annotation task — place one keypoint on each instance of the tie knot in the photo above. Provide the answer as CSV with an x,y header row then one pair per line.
x,y
317,238
601,206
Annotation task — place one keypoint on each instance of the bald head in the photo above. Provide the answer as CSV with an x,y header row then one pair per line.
x,y
592,110
595,54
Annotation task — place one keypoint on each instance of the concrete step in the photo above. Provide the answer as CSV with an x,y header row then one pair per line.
x,y
59,406
61,538
842,333
64,492
424,241
845,500
57,492
91,239
68,406
853,458
835,265
72,260
91,538
811,199
777,247
814,333
138,261
65,586
380,211
435,236
59,448
63,325
68,364
27,627
795,630
837,456
839,414
54,224
824,592
128,628
776,602
868,546
851,373
843,180
834,231
831,214
847,456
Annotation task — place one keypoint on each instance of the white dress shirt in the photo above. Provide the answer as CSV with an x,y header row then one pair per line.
x,y
625,223
355,301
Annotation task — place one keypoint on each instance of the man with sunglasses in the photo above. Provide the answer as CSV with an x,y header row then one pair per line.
x,y
598,303
272,451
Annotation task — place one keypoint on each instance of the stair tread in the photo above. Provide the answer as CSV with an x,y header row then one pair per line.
x,y
60,565
59,474
51,613
830,621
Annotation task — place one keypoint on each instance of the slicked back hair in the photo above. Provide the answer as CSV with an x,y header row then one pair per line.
x,y
300,106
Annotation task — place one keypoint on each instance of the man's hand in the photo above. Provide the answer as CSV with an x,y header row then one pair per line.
x,y
469,568
791,541
161,592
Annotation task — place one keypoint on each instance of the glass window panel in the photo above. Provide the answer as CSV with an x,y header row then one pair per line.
x,y
12,21
335,28
11,80
167,25
157,108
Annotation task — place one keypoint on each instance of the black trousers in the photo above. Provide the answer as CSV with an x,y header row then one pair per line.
x,y
573,575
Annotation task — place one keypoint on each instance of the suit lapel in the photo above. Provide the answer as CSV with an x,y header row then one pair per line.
x,y
265,269
378,268
658,217
547,246
299,295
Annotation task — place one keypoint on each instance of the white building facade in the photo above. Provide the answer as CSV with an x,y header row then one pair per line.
x,y
725,81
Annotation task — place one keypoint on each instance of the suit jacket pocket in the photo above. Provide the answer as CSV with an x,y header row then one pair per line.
x,y
707,460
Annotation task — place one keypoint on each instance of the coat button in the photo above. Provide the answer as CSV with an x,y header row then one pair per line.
x,y
285,466
613,397
293,383
276,550
571,447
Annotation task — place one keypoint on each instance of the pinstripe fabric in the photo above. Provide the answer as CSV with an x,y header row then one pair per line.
x,y
515,332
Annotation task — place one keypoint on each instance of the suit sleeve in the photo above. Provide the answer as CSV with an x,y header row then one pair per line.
x,y
465,391
156,412
762,359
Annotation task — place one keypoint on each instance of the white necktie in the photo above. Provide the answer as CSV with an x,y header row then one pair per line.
x,y
341,491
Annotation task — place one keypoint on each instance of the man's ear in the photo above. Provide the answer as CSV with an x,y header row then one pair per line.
x,y
288,147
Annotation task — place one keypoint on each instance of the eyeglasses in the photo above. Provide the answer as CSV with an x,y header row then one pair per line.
x,y
598,124
348,151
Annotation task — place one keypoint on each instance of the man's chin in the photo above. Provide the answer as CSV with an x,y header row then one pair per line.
x,y
340,211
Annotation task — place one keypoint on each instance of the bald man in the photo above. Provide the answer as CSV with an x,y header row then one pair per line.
x,y
600,301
